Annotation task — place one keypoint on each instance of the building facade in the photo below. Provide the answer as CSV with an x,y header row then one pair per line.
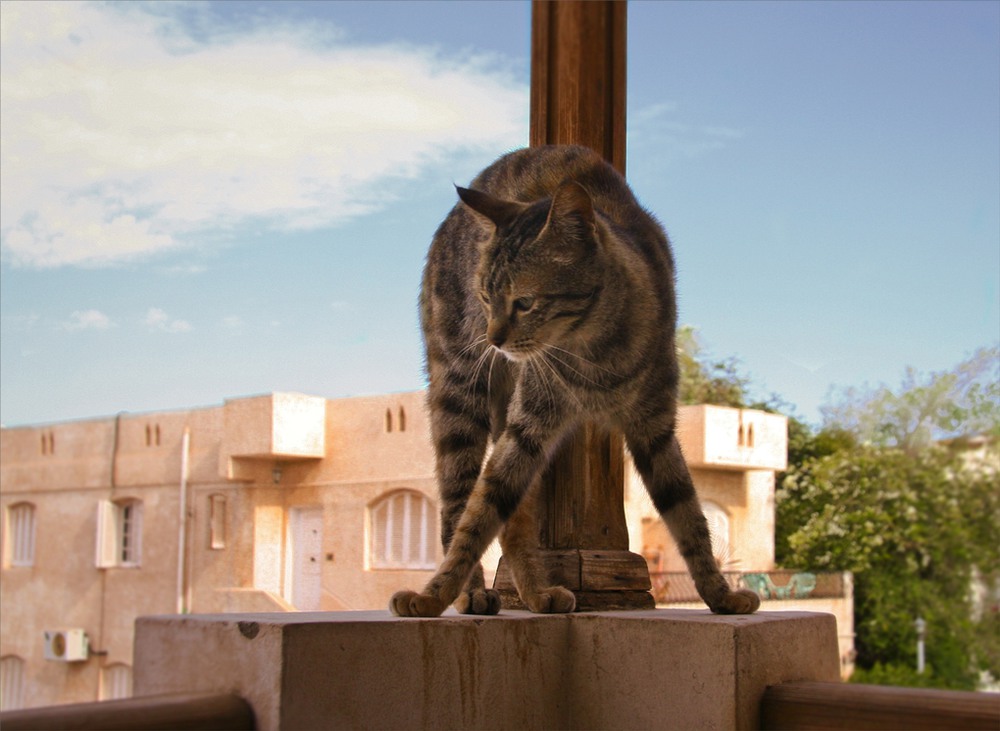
x,y
279,502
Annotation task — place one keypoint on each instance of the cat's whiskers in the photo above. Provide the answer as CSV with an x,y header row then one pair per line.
x,y
549,354
488,353
543,358
489,373
586,361
474,344
543,378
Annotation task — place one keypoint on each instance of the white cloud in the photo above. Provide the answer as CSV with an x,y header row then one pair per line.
x,y
157,319
123,136
88,320
656,126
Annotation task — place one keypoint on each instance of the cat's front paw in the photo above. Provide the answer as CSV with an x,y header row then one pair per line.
x,y
740,601
478,601
552,600
412,604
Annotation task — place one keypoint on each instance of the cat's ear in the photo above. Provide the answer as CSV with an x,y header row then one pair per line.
x,y
572,223
571,201
497,210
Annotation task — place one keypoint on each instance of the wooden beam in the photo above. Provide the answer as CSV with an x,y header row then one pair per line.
x,y
578,97
578,75
180,712
814,705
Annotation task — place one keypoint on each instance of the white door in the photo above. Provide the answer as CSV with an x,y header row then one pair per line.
x,y
307,549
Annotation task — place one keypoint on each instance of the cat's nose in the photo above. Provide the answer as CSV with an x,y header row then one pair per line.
x,y
496,334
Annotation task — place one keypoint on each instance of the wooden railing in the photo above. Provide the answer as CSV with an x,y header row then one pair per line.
x,y
180,712
786,707
822,706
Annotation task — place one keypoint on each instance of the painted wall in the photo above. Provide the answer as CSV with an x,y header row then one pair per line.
x,y
230,495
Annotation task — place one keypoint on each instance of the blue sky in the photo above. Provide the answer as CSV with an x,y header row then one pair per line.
x,y
203,201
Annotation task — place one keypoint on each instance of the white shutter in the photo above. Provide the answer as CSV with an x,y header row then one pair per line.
x,y
107,534
116,682
21,526
11,683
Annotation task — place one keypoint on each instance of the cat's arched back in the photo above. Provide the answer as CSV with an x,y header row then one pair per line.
x,y
548,298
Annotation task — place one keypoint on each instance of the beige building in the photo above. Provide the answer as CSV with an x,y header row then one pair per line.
x,y
271,503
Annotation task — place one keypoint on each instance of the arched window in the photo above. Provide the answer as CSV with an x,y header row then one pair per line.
x,y
11,683
116,682
388,421
20,532
402,419
402,531
718,527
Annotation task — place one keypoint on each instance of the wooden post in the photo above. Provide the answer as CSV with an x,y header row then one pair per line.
x,y
578,97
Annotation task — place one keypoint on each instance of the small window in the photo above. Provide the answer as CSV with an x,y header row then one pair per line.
x,y
20,548
403,532
119,534
388,421
750,435
402,419
11,683
217,522
116,682
48,443
152,435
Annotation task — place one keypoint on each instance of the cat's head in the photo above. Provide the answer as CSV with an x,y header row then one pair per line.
x,y
540,273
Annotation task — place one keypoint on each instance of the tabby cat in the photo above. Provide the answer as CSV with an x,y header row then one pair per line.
x,y
548,298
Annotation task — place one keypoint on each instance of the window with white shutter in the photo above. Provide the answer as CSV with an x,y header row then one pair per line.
x,y
116,682
11,683
20,534
119,534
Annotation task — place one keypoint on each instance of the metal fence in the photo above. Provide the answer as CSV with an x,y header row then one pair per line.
x,y
677,587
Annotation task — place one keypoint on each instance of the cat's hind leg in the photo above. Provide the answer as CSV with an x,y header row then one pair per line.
x,y
657,456
519,541
475,598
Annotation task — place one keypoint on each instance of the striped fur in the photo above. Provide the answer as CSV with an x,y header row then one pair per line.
x,y
548,298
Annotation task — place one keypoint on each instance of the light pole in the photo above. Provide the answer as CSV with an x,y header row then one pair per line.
x,y
921,626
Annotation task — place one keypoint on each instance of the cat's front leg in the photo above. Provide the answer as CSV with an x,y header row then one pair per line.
x,y
519,540
518,458
479,524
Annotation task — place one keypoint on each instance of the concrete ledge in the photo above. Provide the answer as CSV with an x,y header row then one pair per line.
x,y
662,669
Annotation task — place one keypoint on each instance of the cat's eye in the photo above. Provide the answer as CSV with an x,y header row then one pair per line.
x,y
523,304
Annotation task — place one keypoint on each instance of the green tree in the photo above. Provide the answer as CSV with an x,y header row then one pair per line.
x,y
705,380
912,528
916,522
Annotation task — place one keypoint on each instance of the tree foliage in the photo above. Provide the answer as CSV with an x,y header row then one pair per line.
x,y
913,528
706,380
874,492
916,522
925,408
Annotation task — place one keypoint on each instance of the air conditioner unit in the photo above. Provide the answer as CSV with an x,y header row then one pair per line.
x,y
66,645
